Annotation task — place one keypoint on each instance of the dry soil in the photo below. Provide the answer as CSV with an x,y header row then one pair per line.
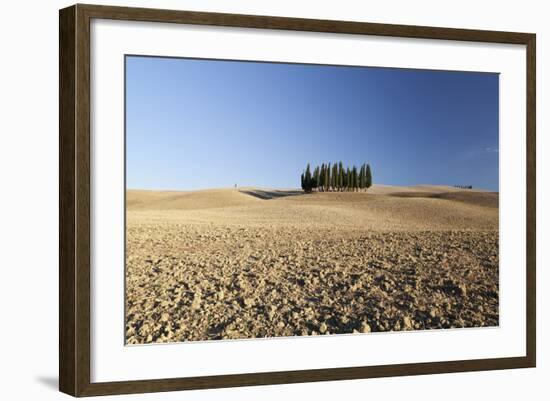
x,y
248,263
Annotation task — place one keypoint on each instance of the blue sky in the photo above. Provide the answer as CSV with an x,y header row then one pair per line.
x,y
193,124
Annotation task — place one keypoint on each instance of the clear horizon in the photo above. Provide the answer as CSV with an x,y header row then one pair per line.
x,y
198,124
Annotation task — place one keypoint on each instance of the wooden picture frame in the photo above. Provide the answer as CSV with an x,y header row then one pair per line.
x,y
74,199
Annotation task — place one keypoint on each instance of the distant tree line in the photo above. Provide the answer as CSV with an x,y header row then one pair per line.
x,y
336,178
463,186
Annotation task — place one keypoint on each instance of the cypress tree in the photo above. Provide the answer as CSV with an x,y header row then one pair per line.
x,y
307,179
334,176
368,174
316,178
302,182
348,179
343,172
337,177
340,176
344,179
322,177
327,177
358,183
331,181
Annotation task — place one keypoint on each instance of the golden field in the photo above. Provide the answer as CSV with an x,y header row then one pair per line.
x,y
250,262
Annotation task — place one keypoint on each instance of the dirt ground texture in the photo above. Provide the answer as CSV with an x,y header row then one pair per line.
x,y
249,263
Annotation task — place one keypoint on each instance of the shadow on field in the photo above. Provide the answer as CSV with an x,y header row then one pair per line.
x,y
271,194
487,199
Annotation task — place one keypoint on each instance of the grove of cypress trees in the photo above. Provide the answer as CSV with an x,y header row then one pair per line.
x,y
335,177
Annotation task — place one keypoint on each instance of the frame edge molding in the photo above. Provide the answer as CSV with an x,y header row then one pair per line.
x,y
67,223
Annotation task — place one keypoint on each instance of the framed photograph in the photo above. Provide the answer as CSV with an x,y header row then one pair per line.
x,y
250,200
